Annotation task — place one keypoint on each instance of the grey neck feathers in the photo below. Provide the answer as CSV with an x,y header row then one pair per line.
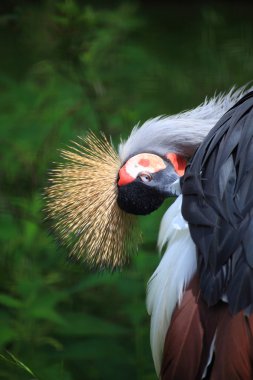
x,y
181,133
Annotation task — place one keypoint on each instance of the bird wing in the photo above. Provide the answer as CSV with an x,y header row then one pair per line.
x,y
218,205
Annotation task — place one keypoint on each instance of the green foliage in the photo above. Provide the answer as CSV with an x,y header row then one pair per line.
x,y
65,68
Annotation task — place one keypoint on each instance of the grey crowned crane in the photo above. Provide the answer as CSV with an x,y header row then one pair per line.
x,y
200,297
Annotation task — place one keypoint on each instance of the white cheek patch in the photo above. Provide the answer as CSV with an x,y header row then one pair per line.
x,y
143,162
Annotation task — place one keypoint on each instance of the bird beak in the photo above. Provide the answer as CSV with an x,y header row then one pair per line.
x,y
166,182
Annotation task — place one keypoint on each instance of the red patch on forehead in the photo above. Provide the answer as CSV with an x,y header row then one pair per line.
x,y
178,162
144,162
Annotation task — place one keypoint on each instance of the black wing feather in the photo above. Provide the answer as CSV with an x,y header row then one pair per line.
x,y
218,205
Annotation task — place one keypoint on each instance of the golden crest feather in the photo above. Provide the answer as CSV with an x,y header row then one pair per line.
x,y
82,201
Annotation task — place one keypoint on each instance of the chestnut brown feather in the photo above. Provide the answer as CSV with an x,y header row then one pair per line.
x,y
82,200
193,327
234,348
184,340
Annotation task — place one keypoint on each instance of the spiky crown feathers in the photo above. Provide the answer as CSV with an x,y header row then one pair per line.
x,y
82,200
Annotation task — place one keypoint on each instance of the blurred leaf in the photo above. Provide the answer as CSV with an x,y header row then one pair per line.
x,y
12,359
7,335
86,325
9,301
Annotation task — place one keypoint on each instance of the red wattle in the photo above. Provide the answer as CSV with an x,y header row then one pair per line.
x,y
178,162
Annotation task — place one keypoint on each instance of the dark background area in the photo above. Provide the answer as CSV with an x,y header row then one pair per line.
x,y
67,67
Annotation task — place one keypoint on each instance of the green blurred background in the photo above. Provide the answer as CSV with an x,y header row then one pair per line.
x,y
66,67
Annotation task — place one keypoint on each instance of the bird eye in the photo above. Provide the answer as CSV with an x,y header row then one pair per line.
x,y
145,177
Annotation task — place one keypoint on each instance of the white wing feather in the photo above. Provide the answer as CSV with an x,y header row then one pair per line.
x,y
166,286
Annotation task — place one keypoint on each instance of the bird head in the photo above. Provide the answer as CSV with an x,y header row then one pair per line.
x,y
93,196
146,179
